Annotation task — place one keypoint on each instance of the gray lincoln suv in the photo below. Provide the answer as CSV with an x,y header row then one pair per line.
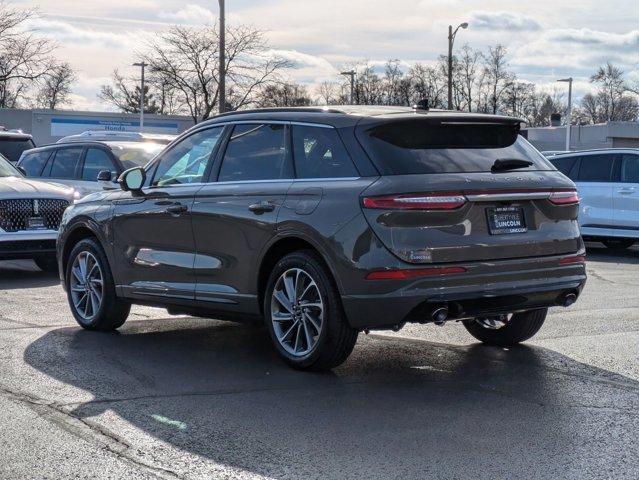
x,y
325,222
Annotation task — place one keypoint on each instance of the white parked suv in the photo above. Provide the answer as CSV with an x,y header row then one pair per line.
x,y
608,184
79,164
30,214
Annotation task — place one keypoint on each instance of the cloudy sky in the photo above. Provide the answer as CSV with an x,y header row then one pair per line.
x,y
546,39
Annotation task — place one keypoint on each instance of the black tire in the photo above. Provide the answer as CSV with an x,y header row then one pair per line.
x,y
618,243
47,263
337,339
520,327
113,311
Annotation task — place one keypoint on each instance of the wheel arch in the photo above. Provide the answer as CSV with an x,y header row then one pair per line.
x,y
79,231
282,246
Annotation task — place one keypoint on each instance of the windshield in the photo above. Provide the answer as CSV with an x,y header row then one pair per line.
x,y
7,169
135,154
418,147
12,148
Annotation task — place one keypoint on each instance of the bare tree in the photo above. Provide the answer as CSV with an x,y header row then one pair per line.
x,y
124,94
186,59
24,57
55,89
498,78
467,72
427,84
287,94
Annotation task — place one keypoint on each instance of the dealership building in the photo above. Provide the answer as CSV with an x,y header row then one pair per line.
x,y
583,137
48,126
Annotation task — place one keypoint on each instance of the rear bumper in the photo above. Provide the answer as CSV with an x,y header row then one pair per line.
x,y
499,287
27,244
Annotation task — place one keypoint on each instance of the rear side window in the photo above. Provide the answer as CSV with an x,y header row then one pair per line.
x,y
65,162
423,146
320,153
565,165
596,168
33,163
630,169
256,152
95,161
12,148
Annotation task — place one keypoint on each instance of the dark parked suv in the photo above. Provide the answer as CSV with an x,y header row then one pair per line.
x,y
328,222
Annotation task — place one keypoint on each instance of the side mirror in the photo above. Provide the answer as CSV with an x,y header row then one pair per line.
x,y
104,176
132,180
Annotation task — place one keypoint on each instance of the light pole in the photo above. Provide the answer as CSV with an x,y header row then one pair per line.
x,y
451,41
142,66
568,111
222,67
351,74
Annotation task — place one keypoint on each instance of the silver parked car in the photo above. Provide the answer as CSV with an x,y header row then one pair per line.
x,y
30,214
608,183
79,164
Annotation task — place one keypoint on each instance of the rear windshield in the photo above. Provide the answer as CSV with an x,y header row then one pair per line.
x,y
135,154
419,147
12,148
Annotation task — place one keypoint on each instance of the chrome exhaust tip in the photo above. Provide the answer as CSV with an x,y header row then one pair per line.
x,y
570,299
440,315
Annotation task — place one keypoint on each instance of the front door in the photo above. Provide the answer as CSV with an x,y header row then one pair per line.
x,y
152,230
235,216
595,189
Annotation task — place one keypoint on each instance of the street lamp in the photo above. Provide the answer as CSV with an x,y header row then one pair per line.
x,y
142,66
569,111
451,41
222,67
351,74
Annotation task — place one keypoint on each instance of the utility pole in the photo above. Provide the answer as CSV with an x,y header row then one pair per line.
x,y
142,66
568,111
222,67
451,42
351,74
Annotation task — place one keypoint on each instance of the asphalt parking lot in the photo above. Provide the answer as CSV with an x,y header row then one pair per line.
x,y
177,397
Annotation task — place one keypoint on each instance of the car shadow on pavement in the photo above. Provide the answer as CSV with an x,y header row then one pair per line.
x,y
598,253
397,409
24,274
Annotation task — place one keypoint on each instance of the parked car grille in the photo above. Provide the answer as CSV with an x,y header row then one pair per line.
x,y
14,214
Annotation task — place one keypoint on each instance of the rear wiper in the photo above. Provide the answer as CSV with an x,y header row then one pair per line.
x,y
510,164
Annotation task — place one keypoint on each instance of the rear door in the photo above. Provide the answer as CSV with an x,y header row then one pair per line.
x,y
595,183
235,214
64,165
443,197
626,194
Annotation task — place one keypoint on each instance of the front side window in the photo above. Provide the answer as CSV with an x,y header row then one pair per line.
x,y
186,162
33,163
630,169
96,160
256,152
596,168
320,153
565,165
65,162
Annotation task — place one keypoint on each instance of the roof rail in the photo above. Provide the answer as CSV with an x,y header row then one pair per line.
x,y
326,109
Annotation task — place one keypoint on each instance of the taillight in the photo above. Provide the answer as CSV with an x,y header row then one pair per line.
x,y
575,259
564,197
408,273
435,201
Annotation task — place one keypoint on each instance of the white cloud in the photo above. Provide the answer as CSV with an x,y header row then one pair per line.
x,y
190,14
503,21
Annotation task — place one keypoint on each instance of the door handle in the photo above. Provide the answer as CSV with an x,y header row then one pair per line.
x,y
626,191
177,209
261,207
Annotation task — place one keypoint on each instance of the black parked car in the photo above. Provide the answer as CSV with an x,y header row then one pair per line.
x,y
328,222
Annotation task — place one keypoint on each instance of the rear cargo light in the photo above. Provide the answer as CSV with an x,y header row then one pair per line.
x,y
572,260
406,274
564,197
435,201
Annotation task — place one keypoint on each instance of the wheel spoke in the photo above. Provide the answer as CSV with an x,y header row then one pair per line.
x,y
77,274
288,332
95,303
280,296
289,285
297,337
283,317
314,321
309,338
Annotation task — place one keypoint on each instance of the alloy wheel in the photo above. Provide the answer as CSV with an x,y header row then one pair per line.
x,y
86,285
297,312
